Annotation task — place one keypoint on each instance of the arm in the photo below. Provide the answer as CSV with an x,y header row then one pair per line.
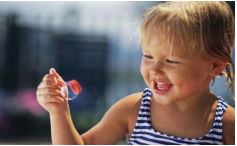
x,y
112,127
117,122
229,126
51,98
63,130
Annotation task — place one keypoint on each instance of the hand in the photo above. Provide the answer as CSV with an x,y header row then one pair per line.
x,y
49,94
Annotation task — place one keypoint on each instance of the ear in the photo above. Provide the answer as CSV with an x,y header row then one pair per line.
x,y
217,67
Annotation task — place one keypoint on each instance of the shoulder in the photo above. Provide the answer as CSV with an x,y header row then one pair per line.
x,y
126,109
127,104
115,123
229,126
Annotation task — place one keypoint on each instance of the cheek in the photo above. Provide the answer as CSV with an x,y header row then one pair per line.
x,y
143,70
189,77
197,74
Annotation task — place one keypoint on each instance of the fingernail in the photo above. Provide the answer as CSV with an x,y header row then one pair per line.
x,y
52,71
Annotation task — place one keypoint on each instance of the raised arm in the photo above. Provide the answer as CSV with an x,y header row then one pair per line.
x,y
112,127
51,98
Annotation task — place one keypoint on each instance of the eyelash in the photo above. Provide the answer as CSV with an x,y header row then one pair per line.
x,y
147,56
167,60
171,61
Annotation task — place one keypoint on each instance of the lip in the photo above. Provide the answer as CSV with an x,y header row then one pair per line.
x,y
162,88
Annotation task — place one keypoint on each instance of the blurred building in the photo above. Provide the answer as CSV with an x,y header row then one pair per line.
x,y
88,44
96,43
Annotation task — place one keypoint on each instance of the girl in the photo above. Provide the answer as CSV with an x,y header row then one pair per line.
x,y
185,45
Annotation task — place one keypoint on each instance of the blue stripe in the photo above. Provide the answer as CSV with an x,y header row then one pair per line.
x,y
212,139
153,140
217,127
137,142
145,105
143,127
216,133
160,136
144,115
145,96
224,104
146,100
144,121
146,93
206,143
219,110
145,110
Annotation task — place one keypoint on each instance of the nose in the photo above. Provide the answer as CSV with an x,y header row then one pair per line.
x,y
157,68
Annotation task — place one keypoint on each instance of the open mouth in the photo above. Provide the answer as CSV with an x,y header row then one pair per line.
x,y
161,87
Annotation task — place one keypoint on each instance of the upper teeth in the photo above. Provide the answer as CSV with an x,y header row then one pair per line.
x,y
159,83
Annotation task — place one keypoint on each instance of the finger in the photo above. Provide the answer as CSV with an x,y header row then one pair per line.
x,y
46,99
52,78
50,84
52,71
49,91
49,77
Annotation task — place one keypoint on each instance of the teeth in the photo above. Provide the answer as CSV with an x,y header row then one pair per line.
x,y
162,86
159,83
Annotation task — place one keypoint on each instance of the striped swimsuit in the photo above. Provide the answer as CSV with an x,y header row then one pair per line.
x,y
144,134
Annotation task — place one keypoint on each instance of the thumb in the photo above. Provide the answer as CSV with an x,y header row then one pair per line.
x,y
52,71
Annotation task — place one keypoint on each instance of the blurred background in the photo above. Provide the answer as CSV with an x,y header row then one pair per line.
x,y
96,43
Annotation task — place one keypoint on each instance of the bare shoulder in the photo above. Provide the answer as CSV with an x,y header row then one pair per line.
x,y
229,126
124,108
115,123
128,107
128,104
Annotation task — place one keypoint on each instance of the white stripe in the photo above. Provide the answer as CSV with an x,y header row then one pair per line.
x,y
217,124
154,138
214,136
219,113
178,138
145,130
143,124
209,141
218,118
145,102
217,130
143,118
147,94
142,141
144,113
184,141
145,107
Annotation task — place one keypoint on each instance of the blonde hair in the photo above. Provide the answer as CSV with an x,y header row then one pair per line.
x,y
204,26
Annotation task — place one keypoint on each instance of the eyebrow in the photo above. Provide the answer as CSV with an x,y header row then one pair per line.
x,y
182,59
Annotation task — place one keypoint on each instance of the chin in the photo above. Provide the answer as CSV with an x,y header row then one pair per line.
x,y
162,100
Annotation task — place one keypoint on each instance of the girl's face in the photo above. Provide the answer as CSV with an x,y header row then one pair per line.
x,y
172,75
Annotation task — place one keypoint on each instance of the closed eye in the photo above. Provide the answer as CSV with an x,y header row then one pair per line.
x,y
147,56
172,61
